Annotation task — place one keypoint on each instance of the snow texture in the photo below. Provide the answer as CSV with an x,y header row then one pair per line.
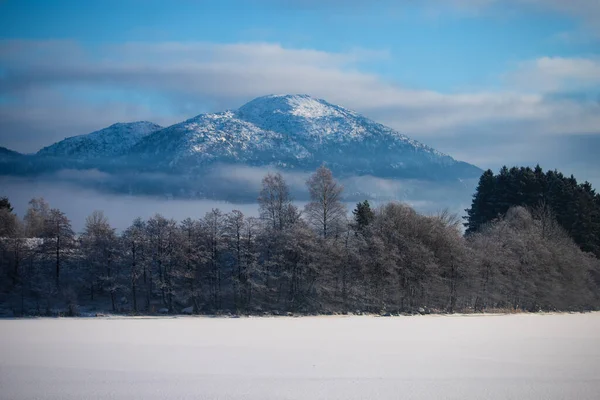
x,y
117,139
425,357
286,132
291,131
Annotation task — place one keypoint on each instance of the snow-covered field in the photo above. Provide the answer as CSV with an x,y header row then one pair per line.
x,y
426,357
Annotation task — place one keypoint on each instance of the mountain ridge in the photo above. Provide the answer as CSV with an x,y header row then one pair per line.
x,y
294,133
115,139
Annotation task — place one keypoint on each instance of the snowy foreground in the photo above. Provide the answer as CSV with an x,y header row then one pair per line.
x,y
424,357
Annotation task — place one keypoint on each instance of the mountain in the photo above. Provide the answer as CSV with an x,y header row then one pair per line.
x,y
12,162
224,155
115,140
295,132
7,154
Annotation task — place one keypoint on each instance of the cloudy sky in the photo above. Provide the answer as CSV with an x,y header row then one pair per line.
x,y
491,82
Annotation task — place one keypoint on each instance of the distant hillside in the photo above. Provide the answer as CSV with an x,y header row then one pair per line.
x,y
222,155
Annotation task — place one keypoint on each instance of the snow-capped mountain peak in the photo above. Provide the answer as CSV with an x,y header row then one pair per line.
x,y
297,132
299,105
116,139
287,132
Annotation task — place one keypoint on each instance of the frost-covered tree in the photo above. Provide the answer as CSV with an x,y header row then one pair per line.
x,y
193,258
135,248
12,247
10,225
275,202
163,243
391,259
58,240
213,225
525,264
326,212
100,245
234,232
37,213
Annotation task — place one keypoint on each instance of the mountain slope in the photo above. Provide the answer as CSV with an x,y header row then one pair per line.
x,y
224,155
295,132
6,154
117,139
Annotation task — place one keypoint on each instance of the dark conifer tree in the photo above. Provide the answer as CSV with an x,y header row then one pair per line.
x,y
5,204
483,206
363,215
575,206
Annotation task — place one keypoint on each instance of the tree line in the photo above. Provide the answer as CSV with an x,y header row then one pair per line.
x,y
575,206
321,259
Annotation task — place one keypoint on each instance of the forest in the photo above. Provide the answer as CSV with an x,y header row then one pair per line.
x,y
530,242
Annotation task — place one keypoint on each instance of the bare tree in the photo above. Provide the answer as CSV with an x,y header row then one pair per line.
x,y
135,248
37,213
449,219
99,242
12,245
275,202
9,224
58,239
252,275
326,212
393,259
214,233
234,231
163,238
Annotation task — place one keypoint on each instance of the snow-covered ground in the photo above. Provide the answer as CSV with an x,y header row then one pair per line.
x,y
427,357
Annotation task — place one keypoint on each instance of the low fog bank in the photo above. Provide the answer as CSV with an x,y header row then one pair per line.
x,y
78,203
78,194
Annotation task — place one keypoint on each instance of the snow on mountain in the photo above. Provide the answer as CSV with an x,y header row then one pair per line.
x,y
295,132
223,156
208,156
117,139
220,137
319,120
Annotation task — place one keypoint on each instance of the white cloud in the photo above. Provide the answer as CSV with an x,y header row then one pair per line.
x,y
550,74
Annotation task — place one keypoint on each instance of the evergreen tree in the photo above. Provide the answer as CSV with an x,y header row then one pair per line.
x,y
575,206
483,208
363,215
5,204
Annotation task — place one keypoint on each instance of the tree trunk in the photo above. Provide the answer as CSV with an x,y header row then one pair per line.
x,y
134,294
148,293
17,262
452,289
57,261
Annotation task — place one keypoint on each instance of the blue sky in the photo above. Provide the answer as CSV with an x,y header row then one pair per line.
x,y
491,82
